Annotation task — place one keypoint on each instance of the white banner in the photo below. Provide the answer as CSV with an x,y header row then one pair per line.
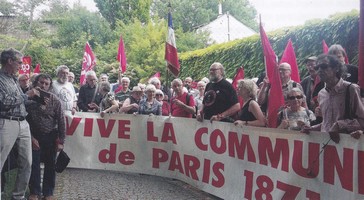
x,y
222,159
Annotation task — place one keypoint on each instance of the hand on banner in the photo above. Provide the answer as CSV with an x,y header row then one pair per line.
x,y
94,107
102,114
284,124
217,117
306,129
334,133
356,134
199,117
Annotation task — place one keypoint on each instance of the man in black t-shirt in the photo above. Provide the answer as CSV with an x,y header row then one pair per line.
x,y
220,100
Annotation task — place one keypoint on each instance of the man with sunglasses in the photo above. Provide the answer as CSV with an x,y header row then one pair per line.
x,y
339,115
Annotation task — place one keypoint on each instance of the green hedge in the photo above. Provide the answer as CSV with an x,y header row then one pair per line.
x,y
307,40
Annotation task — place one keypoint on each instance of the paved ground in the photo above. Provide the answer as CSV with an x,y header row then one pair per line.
x,y
96,184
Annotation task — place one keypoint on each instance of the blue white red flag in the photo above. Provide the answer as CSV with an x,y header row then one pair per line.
x,y
171,55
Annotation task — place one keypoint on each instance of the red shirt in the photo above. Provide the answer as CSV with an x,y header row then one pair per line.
x,y
178,111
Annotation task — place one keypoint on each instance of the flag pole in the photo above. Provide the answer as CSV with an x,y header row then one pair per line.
x,y
167,84
361,49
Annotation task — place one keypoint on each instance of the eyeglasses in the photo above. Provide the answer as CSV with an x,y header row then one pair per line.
x,y
322,66
158,94
295,97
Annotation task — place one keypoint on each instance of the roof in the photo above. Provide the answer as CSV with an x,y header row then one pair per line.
x,y
226,28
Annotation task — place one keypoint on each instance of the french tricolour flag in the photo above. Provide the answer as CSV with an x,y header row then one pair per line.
x,y
171,49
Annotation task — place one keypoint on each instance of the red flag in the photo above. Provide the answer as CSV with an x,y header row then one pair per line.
x,y
36,69
193,85
325,48
361,49
239,75
289,57
88,63
346,57
269,55
158,75
121,55
275,96
25,67
171,49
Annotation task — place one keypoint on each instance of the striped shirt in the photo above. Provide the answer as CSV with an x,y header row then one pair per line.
x,y
11,97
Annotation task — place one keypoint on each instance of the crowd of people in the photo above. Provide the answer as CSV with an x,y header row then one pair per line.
x,y
32,109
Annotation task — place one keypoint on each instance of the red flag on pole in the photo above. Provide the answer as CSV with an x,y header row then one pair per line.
x,y
121,55
171,49
239,75
88,63
269,55
346,57
325,48
361,49
25,67
36,69
275,96
289,57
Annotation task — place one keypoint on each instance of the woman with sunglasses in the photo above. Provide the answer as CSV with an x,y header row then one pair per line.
x,y
295,116
159,95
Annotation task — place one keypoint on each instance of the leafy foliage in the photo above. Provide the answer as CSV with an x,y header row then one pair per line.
x,y
307,41
124,10
189,14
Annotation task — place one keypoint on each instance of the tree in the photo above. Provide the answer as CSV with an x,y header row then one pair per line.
x,y
81,24
124,10
189,14
6,7
57,9
26,10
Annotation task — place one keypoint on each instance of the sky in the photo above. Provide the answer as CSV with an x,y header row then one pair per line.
x,y
282,13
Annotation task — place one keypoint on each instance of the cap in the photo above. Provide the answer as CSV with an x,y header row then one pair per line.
x,y
311,58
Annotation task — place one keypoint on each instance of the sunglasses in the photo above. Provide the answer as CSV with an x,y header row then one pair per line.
x,y
322,66
295,97
158,94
